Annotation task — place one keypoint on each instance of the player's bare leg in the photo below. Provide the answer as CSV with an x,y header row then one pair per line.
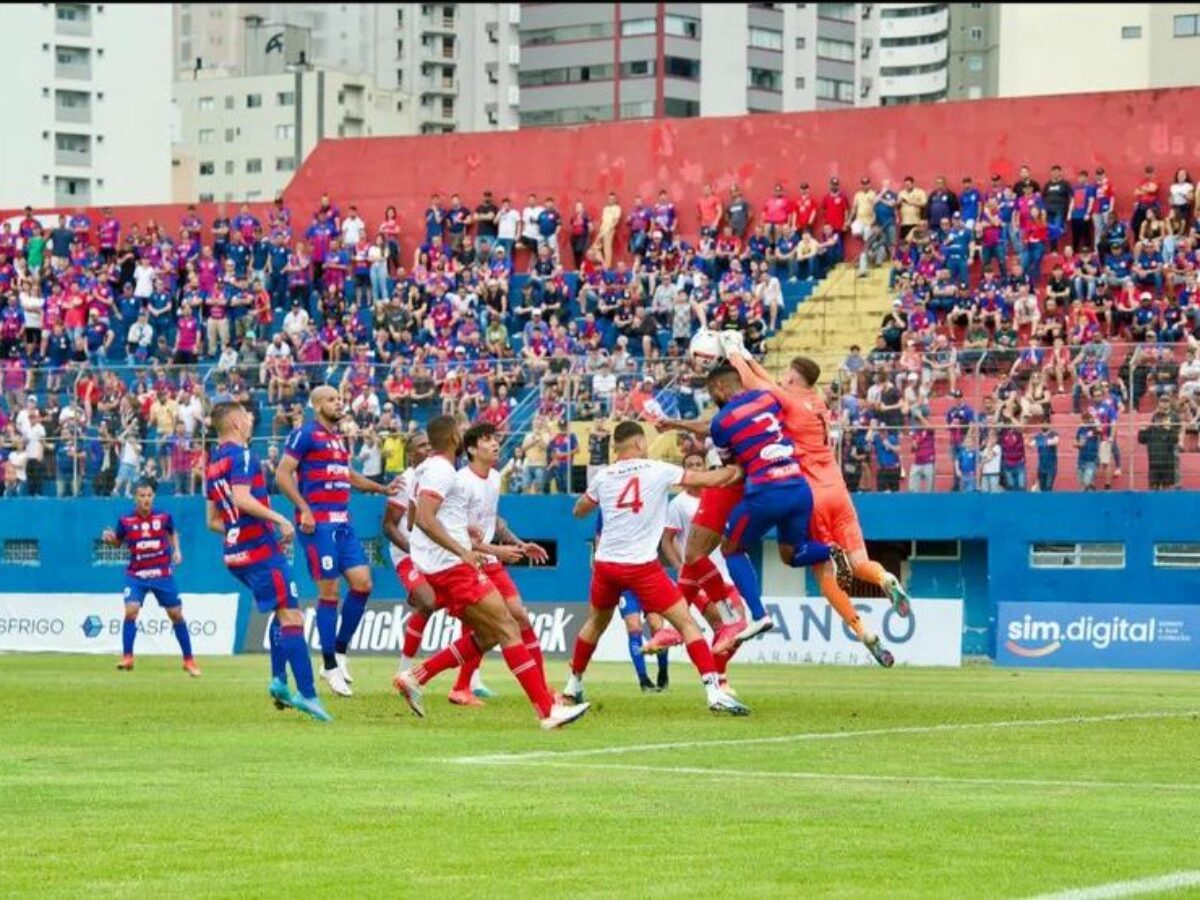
x,y
866,569
702,658
698,572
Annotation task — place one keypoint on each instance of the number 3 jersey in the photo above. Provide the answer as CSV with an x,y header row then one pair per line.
x,y
632,496
748,430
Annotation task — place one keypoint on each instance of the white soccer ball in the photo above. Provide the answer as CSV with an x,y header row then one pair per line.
x,y
705,348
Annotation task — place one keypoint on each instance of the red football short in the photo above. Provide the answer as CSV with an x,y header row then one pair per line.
x,y
716,503
458,587
649,581
499,577
408,575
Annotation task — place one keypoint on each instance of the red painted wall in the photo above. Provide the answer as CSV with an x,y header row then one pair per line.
x,y
1122,131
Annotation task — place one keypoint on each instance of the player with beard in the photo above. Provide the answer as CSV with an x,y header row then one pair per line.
x,y
315,474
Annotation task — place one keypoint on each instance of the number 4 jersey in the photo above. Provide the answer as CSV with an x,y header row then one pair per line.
x,y
632,496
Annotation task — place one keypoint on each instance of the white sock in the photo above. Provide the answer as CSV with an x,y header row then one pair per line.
x,y
406,663
476,680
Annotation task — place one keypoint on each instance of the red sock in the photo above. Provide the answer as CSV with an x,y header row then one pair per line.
x,y
721,661
707,578
526,671
459,653
582,656
701,657
414,630
688,587
466,672
534,646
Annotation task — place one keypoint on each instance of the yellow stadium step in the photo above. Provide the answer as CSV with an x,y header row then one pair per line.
x,y
843,310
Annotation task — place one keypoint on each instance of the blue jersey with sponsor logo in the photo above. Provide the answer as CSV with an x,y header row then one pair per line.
x,y
148,539
248,540
322,471
748,430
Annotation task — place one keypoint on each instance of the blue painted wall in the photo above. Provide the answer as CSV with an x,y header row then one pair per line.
x,y
994,566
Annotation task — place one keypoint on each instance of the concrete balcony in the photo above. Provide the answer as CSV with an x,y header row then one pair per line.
x,y
912,26
914,85
78,71
917,55
73,158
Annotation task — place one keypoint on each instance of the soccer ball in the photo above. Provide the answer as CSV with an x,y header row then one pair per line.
x,y
705,348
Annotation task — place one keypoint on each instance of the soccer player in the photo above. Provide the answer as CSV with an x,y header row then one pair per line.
x,y
420,594
747,428
805,418
239,508
631,494
153,546
725,617
491,536
635,621
441,549
315,475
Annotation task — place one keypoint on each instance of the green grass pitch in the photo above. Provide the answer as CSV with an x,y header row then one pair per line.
x,y
151,784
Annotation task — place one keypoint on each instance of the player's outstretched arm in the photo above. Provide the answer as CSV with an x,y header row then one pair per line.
x,y
695,427
584,506
722,477
362,483
535,552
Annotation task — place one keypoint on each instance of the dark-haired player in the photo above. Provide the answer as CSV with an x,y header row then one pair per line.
x,y
153,545
631,495
239,508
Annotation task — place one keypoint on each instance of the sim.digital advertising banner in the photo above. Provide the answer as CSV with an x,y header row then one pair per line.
x,y
382,629
807,631
1098,636
91,623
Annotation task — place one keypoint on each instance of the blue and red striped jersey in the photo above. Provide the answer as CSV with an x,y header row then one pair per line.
x,y
322,471
748,431
248,540
149,541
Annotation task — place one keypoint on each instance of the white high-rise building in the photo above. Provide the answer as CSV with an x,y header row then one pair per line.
x,y
87,104
456,63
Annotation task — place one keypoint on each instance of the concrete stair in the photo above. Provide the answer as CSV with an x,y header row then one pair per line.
x,y
843,310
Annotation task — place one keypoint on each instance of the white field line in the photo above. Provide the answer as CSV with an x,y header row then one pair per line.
x,y
842,777
1172,882
949,727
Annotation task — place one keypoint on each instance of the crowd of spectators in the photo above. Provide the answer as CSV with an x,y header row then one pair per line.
x,y
462,311
1026,291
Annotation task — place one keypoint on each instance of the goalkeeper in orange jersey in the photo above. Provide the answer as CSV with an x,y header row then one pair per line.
x,y
834,519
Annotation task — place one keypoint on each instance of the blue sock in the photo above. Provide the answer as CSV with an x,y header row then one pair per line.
x,y
353,608
741,570
327,630
278,657
185,639
809,554
661,656
128,633
296,652
635,654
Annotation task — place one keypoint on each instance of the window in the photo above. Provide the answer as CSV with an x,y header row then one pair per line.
x,y
919,40
839,50
205,104
800,82
681,67
683,26
636,68
229,101
229,167
597,31
764,79
285,163
843,12
1187,26
1131,32
21,552
908,12
1177,556
569,116
72,143
205,136
253,101
835,89
1067,555
976,34
681,109
638,27
230,134
253,166
639,109
801,43
567,75
207,168
975,63
285,132
936,550
766,39
285,98
207,197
